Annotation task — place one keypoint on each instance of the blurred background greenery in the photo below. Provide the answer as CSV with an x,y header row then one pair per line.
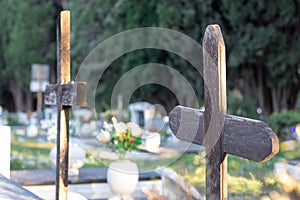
x,y
262,45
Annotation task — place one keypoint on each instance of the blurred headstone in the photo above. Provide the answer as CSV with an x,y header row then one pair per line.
x,y
23,118
39,77
141,112
50,114
5,140
39,80
82,122
32,131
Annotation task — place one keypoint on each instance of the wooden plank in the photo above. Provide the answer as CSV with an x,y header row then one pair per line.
x,y
63,77
63,48
214,73
243,137
187,124
256,139
73,94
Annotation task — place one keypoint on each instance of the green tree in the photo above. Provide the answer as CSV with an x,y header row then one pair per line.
x,y
25,37
111,17
263,47
262,43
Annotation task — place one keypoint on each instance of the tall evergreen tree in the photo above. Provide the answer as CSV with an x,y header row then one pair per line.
x,y
264,50
25,38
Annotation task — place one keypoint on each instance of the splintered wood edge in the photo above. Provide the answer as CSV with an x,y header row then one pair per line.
x,y
275,144
264,143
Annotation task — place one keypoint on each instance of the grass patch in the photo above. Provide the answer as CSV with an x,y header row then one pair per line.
x,y
90,161
29,154
246,179
31,148
244,185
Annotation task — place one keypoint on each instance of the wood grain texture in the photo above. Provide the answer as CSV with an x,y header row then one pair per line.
x,y
73,94
64,95
218,132
187,124
214,74
63,48
243,137
256,140
63,77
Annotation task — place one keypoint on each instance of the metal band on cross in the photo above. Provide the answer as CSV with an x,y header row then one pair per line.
x,y
64,95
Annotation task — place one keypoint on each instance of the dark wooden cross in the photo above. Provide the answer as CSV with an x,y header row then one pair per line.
x,y
220,133
64,95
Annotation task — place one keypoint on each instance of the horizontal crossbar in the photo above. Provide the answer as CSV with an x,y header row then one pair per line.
x,y
243,137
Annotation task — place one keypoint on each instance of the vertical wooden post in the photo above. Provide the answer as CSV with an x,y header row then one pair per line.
x,y
214,73
39,93
63,77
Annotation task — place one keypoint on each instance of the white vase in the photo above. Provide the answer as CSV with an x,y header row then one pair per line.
x,y
122,178
152,141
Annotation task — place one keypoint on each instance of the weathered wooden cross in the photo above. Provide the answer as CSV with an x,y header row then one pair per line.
x,y
64,95
218,132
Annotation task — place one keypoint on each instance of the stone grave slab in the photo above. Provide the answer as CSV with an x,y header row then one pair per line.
x,y
86,175
12,190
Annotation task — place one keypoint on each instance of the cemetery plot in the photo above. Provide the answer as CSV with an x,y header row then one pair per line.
x,y
221,134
